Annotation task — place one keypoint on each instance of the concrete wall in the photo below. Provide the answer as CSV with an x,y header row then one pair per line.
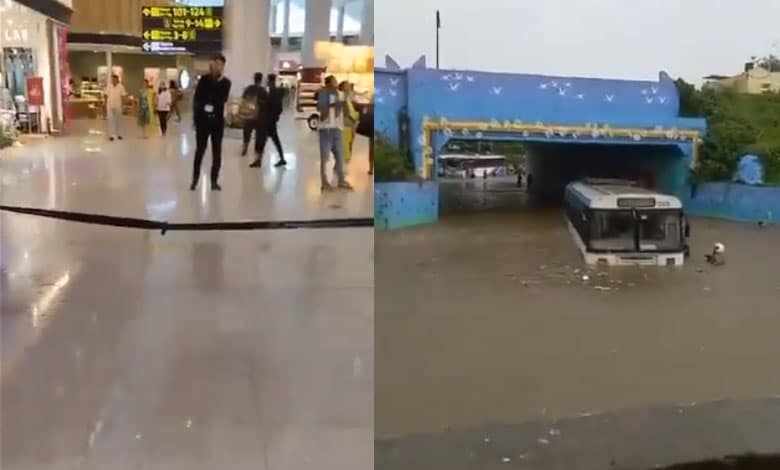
x,y
502,101
737,202
483,96
756,81
400,205
390,95
553,165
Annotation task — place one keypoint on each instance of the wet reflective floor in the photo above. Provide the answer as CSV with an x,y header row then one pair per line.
x,y
486,318
125,349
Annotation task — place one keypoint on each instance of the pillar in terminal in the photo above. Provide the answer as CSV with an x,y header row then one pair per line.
x,y
247,41
367,23
286,25
274,16
317,29
340,23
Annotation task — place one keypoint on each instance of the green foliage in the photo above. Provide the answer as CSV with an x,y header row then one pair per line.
x,y
691,101
390,164
738,124
7,135
514,152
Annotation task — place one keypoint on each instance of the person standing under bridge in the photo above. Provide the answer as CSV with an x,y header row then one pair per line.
x,y
208,108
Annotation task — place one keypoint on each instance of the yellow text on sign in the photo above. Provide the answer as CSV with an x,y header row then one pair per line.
x,y
178,12
167,35
199,23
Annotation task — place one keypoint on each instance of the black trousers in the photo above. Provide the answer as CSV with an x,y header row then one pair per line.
x,y
163,118
202,136
264,132
249,126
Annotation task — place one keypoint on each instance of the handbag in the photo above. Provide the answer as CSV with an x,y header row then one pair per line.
x,y
365,125
247,110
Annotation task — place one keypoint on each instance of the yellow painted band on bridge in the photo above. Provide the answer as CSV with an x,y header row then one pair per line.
x,y
433,125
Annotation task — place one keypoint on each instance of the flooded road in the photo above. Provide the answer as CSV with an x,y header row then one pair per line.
x,y
486,318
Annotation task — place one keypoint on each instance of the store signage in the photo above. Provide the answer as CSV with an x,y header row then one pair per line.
x,y
172,29
16,35
35,91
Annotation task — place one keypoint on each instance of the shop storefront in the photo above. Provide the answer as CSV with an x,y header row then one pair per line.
x,y
31,69
90,74
105,39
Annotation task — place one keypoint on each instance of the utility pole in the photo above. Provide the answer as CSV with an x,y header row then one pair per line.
x,y
438,27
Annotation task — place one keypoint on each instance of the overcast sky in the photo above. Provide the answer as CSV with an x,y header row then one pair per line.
x,y
600,38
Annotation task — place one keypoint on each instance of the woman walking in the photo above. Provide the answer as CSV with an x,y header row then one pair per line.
x,y
163,108
146,103
350,119
176,96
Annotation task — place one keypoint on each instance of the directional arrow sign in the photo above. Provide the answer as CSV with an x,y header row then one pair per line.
x,y
181,29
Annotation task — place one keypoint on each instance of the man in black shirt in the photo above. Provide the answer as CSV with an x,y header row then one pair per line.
x,y
267,123
256,95
208,109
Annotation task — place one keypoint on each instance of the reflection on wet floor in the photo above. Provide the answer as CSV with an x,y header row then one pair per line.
x,y
491,317
126,349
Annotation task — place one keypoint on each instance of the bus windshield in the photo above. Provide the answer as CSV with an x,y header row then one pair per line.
x,y
659,230
613,230
619,230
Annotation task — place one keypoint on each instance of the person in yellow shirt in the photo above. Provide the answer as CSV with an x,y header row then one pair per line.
x,y
351,117
147,103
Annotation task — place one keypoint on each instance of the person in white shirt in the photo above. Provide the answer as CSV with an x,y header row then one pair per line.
x,y
164,100
114,94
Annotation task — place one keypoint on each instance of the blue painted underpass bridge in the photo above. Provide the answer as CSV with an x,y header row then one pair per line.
x,y
570,126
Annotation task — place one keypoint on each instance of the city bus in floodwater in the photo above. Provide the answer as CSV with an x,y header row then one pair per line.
x,y
615,222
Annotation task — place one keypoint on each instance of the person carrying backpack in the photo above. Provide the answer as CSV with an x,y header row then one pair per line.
x,y
252,102
267,124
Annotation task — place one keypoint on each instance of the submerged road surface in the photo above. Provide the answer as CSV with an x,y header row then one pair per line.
x,y
488,318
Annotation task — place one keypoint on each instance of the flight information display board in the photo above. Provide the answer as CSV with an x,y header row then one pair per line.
x,y
178,29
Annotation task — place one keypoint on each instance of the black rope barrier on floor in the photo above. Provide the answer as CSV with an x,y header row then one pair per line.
x,y
163,227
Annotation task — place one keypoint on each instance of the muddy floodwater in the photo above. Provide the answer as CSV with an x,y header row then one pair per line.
x,y
490,317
